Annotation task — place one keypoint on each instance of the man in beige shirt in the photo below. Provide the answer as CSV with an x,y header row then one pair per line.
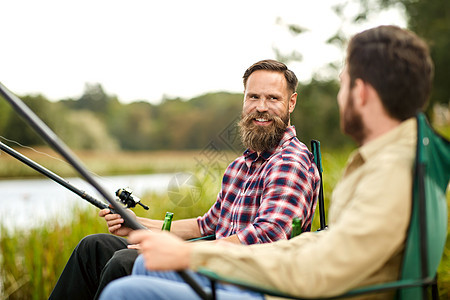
x,y
385,82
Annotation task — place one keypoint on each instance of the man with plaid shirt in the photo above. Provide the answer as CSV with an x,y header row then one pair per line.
x,y
274,181
261,194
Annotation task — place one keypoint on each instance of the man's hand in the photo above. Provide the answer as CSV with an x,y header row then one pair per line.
x,y
114,222
162,250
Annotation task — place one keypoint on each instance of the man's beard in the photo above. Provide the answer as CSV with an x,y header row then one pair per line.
x,y
262,138
351,122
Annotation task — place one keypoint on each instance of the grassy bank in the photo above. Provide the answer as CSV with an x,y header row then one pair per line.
x,y
31,260
106,163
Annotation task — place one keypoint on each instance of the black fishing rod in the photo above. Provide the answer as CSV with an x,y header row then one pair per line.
x,y
59,146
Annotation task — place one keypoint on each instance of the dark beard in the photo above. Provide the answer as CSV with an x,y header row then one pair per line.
x,y
351,122
262,138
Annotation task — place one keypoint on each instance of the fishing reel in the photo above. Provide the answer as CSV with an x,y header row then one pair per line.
x,y
125,196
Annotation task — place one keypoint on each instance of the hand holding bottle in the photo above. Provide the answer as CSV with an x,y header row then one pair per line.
x,y
162,250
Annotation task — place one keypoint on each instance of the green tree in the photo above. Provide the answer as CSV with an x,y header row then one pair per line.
x,y
218,114
16,128
135,126
93,99
83,130
430,19
316,115
5,112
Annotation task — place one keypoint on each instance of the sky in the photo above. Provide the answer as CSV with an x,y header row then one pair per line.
x,y
149,50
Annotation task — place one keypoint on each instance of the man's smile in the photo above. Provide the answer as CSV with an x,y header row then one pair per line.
x,y
262,121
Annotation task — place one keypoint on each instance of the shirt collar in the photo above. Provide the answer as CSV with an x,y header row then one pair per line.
x,y
251,155
359,156
406,128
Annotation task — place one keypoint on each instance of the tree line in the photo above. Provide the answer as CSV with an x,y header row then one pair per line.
x,y
99,121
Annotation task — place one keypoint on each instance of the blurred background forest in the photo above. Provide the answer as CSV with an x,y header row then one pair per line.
x,y
99,121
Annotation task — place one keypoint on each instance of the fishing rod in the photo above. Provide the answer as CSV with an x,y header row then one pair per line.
x,y
60,147
124,195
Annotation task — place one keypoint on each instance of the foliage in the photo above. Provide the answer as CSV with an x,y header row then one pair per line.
x,y
429,19
31,260
316,115
94,99
86,131
114,163
17,129
5,112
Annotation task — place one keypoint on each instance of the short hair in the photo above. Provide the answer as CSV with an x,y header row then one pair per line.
x,y
273,65
397,63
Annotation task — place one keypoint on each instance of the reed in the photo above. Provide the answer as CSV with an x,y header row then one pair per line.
x,y
109,163
32,259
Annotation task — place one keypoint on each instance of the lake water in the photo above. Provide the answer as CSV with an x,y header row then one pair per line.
x,y
28,202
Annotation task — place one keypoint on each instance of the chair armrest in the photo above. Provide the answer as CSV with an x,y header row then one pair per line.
x,y
395,285
216,277
210,237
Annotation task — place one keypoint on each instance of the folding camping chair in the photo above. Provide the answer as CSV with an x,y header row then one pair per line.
x,y
427,231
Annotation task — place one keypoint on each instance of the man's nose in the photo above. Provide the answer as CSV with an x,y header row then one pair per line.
x,y
262,106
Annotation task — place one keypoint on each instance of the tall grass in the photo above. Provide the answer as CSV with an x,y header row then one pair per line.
x,y
31,260
102,163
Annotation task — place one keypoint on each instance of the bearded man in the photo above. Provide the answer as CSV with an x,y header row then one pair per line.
x,y
274,181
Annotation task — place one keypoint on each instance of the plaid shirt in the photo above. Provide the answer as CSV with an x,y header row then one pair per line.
x,y
261,195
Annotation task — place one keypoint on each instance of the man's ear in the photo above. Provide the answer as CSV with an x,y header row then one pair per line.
x,y
292,102
360,92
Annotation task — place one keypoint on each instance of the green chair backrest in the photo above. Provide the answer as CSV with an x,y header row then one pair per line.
x,y
315,149
428,227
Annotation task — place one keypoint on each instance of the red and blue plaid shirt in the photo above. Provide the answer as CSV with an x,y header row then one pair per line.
x,y
261,195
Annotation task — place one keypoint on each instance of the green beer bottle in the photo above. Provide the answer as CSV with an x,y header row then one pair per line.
x,y
296,227
167,221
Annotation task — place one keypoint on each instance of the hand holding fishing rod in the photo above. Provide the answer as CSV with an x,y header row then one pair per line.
x,y
116,224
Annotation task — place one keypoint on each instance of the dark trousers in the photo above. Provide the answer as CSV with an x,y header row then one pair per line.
x,y
97,260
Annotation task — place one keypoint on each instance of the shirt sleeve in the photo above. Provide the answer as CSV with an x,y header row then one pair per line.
x,y
366,236
289,191
208,222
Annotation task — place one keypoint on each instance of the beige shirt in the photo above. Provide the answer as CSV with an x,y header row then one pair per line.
x,y
368,220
